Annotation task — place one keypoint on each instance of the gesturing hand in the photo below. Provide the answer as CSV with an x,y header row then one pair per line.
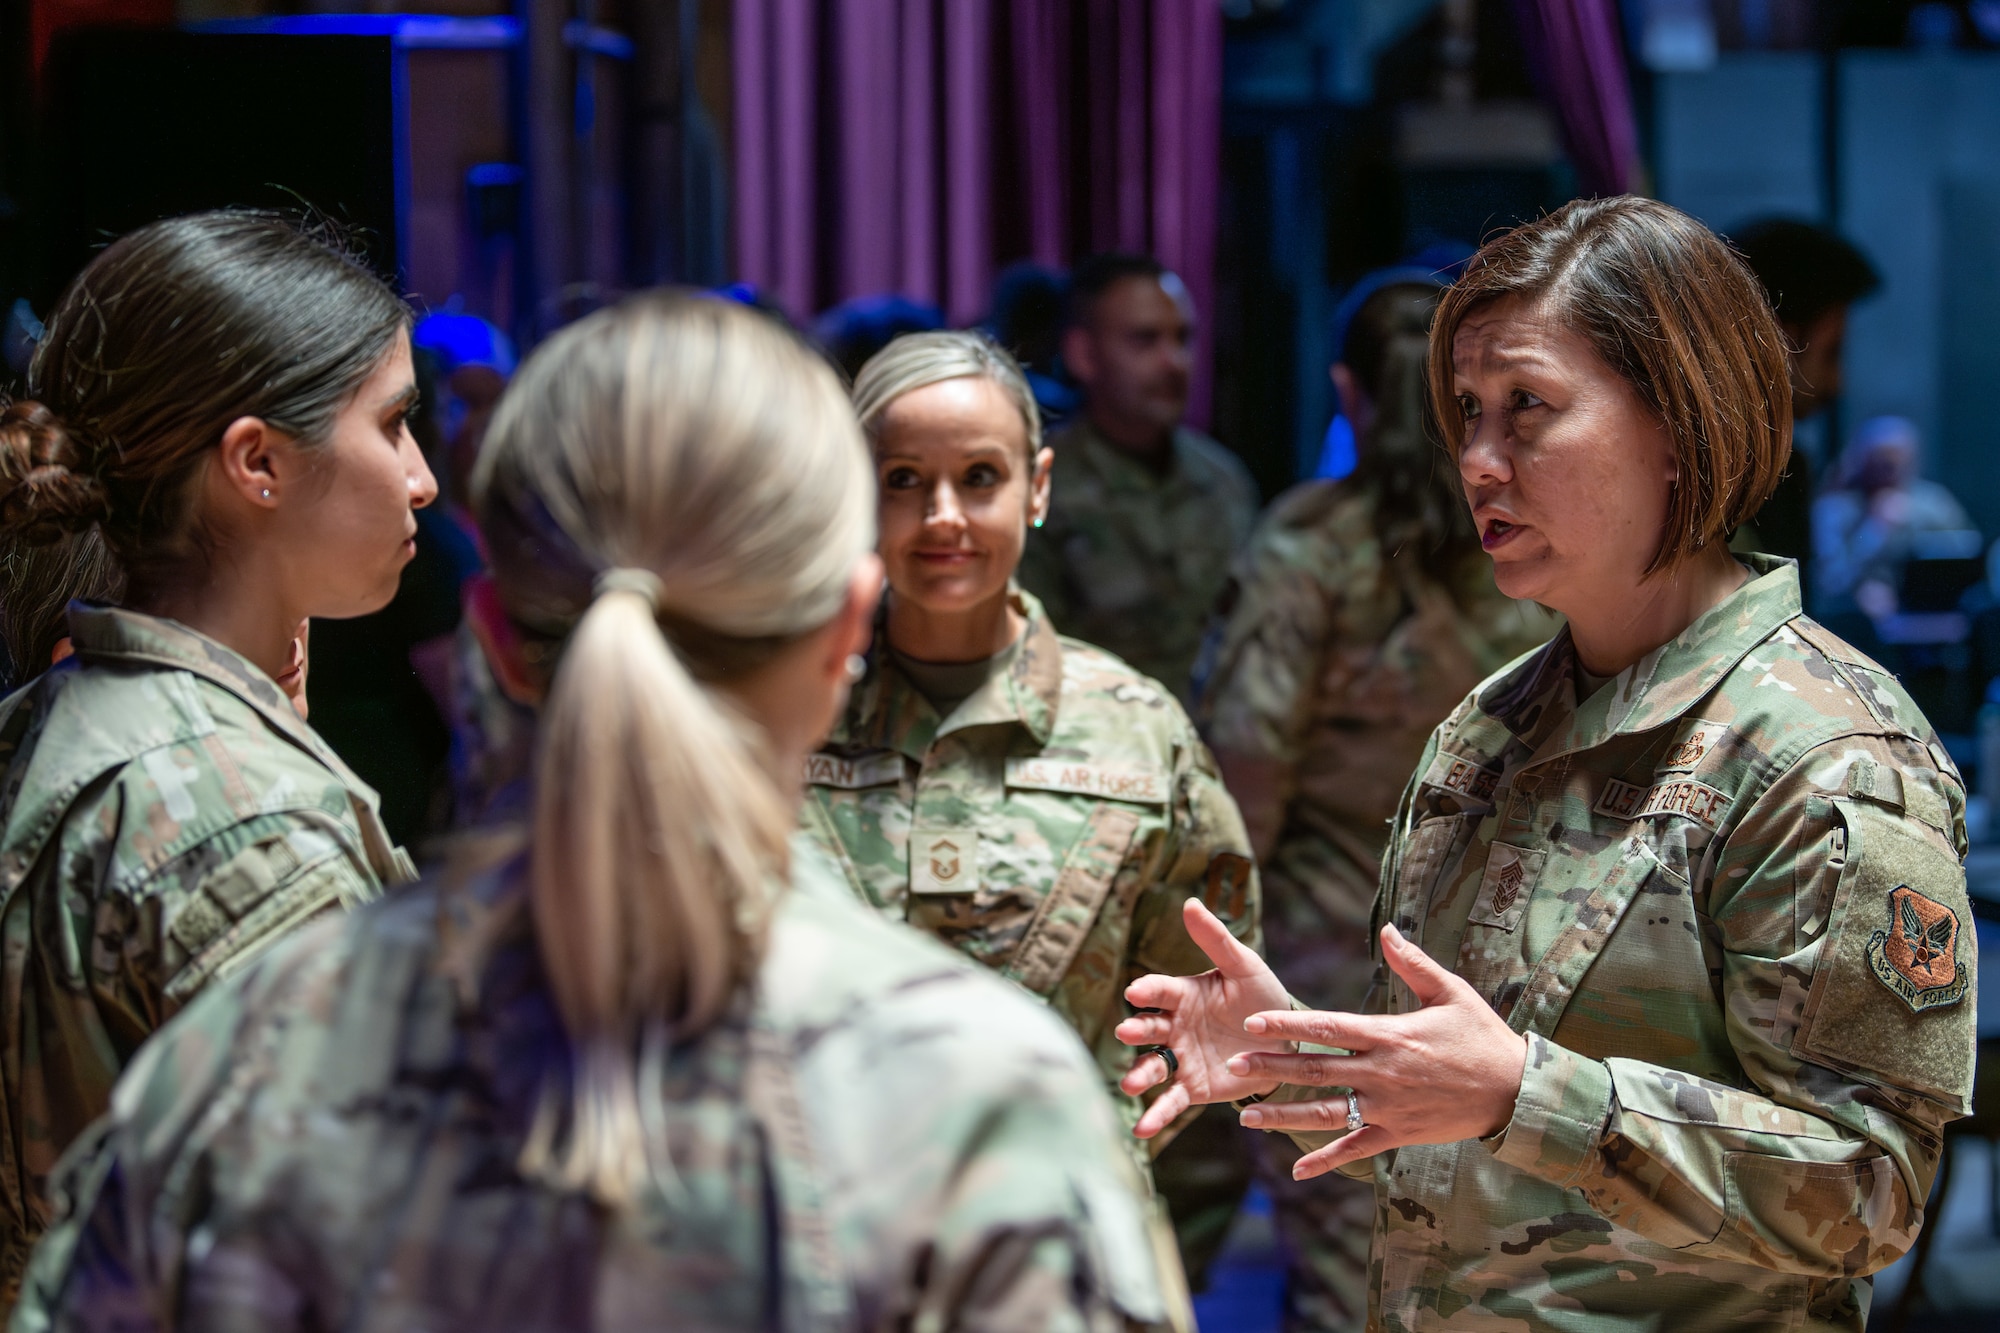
x,y
1450,1071
1201,1020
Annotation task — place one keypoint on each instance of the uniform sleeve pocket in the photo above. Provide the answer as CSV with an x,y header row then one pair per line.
x,y
1814,1217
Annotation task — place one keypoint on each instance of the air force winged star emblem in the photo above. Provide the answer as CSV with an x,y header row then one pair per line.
x,y
1917,957
944,861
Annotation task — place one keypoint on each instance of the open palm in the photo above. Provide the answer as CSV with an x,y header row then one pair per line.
x,y
1201,1020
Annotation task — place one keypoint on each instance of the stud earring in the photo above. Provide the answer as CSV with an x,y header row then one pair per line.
x,y
1040,521
857,666
267,492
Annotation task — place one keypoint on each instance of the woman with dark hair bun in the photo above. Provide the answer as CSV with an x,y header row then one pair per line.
x,y
221,398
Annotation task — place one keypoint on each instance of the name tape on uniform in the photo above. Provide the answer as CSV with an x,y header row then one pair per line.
x,y
852,774
1146,786
1681,796
1462,776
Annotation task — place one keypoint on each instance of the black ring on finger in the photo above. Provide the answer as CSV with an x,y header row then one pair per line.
x,y
1166,1053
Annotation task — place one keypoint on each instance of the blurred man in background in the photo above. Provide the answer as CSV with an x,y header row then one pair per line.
x,y
1030,311
1812,276
1146,513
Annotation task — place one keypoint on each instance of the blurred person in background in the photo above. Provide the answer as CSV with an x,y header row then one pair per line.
x,y
855,330
1811,276
470,361
650,1065
1030,308
222,398
1359,615
491,736
1869,524
1674,990
1147,512
1025,797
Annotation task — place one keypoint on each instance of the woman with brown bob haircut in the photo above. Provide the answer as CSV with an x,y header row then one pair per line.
x,y
1673,972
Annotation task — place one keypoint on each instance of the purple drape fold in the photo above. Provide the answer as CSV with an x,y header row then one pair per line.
x,y
1578,59
919,145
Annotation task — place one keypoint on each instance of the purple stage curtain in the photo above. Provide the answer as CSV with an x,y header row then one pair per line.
x,y
1578,60
920,145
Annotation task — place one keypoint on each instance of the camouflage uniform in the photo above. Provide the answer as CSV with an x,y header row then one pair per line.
x,y
1050,828
1335,662
332,1142
1131,560
1723,899
164,814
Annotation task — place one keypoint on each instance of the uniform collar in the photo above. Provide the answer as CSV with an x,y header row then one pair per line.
x,y
1118,470
887,712
1537,699
115,634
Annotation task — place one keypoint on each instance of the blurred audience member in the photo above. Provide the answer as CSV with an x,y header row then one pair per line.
x,y
1865,529
1811,276
472,361
1030,302
1434,266
1147,512
855,330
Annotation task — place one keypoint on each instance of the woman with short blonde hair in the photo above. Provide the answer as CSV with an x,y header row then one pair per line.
x,y
1025,797
1674,961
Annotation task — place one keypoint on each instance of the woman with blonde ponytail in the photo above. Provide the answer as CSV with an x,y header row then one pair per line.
x,y
648,1066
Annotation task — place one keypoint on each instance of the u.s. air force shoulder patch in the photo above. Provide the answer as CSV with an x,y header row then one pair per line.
x,y
1917,957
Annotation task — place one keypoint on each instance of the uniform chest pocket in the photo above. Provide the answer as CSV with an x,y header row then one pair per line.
x,y
1056,933
1530,967
1431,847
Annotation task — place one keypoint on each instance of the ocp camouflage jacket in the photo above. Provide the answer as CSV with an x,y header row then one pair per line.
x,y
164,814
1050,828
876,1137
1130,559
1723,899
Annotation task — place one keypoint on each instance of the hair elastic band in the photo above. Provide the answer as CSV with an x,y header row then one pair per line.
x,y
641,583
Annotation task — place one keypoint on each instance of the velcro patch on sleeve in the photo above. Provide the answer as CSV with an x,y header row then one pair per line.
x,y
1680,796
1469,779
1917,956
854,773
1891,976
1140,784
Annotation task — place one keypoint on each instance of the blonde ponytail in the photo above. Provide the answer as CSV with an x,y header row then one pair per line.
x,y
710,464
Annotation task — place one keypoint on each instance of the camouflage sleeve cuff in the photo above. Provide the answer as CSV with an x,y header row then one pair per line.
x,y
1560,1115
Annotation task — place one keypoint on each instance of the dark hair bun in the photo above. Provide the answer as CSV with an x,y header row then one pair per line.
x,y
42,496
